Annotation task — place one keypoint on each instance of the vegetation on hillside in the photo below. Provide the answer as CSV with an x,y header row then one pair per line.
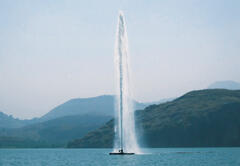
x,y
202,118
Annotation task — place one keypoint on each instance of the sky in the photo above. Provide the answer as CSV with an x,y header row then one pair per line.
x,y
53,51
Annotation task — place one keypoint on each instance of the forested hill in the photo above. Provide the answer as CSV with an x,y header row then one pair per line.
x,y
203,118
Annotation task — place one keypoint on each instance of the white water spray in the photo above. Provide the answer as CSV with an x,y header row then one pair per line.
x,y
125,137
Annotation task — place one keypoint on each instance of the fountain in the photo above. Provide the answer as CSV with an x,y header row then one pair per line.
x,y
125,139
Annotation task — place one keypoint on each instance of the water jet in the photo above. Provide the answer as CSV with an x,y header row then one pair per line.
x,y
125,138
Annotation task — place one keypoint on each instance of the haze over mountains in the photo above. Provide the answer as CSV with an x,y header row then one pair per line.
x,y
100,105
231,85
9,121
92,105
81,118
70,120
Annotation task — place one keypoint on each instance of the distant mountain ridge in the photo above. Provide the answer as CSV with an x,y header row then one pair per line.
x,y
231,85
198,118
164,100
70,120
9,121
100,105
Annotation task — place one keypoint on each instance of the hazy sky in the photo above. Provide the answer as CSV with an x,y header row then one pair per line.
x,y
52,51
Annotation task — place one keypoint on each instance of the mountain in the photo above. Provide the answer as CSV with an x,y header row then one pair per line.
x,y
66,122
159,101
100,105
204,118
52,133
231,85
7,121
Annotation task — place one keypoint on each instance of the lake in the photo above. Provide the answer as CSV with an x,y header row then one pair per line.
x,y
100,157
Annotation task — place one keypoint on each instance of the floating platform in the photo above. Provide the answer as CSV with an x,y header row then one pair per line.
x,y
120,152
117,153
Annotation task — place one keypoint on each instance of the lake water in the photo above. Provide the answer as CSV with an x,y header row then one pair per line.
x,y
100,157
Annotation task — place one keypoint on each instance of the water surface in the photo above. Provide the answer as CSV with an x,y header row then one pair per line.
x,y
100,157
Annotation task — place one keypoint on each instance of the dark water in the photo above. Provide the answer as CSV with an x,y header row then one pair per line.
x,y
100,157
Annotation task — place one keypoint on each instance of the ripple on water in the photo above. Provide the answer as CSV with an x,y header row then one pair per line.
x,y
95,157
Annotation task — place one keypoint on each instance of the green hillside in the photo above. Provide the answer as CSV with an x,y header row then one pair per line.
x,y
202,118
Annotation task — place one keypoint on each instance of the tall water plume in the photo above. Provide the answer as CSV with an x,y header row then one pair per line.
x,y
125,137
